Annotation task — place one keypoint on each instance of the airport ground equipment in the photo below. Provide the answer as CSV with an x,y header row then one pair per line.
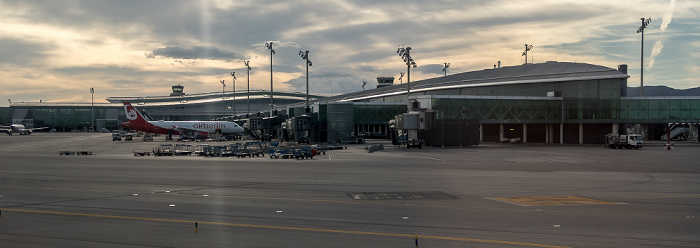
x,y
280,153
255,149
163,150
374,148
408,127
84,153
116,137
238,150
199,150
511,140
321,149
629,141
183,150
303,152
420,127
142,153
214,151
297,152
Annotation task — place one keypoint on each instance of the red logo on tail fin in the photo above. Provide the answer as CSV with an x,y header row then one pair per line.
x,y
132,114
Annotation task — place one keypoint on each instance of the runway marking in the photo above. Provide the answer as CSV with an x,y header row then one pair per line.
x,y
437,159
289,228
416,156
556,200
425,195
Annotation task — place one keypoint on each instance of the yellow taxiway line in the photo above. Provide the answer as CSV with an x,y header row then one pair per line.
x,y
287,228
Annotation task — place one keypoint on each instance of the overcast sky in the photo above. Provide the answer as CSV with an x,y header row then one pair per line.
x,y
57,50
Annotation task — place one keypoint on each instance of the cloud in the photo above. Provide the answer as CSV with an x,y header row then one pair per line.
x,y
335,80
81,42
431,69
21,52
665,20
195,52
655,51
668,15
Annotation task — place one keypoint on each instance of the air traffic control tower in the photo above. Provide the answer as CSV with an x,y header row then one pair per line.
x,y
178,90
384,82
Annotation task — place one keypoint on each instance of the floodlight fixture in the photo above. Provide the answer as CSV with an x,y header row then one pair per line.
x,y
305,55
247,64
269,46
92,108
223,98
233,74
405,54
645,22
527,49
272,100
445,69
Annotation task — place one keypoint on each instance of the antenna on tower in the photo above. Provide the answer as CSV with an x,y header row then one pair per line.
x,y
447,65
527,49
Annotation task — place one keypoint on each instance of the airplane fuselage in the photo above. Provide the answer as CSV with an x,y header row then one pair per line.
x,y
178,127
138,122
17,128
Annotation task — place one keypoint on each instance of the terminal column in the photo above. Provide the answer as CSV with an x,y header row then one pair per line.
x,y
481,133
561,133
524,133
580,133
500,132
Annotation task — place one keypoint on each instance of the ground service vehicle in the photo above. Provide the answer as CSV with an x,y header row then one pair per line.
x,y
628,141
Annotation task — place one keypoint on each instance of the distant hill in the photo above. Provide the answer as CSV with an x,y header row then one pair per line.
x,y
663,91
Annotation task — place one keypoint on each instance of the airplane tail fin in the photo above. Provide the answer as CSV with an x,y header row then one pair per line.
x,y
133,115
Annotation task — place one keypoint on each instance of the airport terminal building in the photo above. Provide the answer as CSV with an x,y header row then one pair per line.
x,y
552,102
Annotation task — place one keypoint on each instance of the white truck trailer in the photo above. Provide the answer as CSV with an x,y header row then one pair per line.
x,y
620,141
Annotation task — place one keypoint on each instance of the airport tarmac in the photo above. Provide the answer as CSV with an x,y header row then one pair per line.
x,y
493,195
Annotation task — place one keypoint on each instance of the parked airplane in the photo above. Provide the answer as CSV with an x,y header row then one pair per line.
x,y
19,128
203,128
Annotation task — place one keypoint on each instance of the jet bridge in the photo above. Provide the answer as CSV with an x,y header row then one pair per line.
x,y
678,132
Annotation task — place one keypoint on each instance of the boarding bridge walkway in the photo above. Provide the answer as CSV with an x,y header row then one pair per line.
x,y
675,132
253,133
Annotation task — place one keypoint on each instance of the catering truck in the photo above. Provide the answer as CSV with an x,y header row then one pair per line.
x,y
629,141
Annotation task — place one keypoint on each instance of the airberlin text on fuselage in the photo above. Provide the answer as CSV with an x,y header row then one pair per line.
x,y
209,125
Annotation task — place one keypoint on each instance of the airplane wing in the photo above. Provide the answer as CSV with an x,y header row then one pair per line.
x,y
7,131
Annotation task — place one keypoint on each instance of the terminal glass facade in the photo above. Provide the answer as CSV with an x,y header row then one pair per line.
x,y
584,101
67,118
377,114
660,109
340,121
498,110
